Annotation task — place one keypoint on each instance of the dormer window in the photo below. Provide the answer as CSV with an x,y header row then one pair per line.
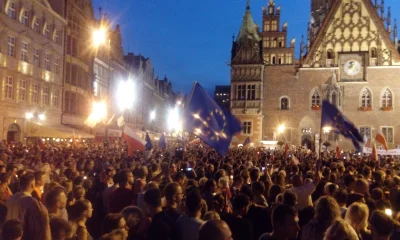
x,y
46,31
24,17
36,25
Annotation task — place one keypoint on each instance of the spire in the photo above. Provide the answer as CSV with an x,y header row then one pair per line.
x,y
248,29
382,9
248,5
395,38
389,20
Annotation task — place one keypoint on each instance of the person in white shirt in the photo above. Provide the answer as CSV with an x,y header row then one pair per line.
x,y
303,190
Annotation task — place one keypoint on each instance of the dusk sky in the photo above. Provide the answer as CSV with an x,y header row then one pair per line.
x,y
190,40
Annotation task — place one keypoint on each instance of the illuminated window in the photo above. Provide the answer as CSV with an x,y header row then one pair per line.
x,y
284,103
24,51
46,96
9,89
246,127
388,133
11,10
24,17
11,46
22,90
316,98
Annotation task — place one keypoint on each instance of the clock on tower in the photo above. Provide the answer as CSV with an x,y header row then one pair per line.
x,y
352,67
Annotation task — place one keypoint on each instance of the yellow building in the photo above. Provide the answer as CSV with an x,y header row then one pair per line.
x,y
31,67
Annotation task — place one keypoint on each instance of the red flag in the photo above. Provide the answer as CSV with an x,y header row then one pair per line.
x,y
374,153
133,141
381,139
286,149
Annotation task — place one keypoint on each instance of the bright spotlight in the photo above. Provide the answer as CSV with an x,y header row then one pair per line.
x,y
99,110
29,115
281,128
153,115
42,117
125,95
388,212
174,121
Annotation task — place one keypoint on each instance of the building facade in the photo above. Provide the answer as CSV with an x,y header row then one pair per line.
x,y
222,96
31,67
350,58
79,57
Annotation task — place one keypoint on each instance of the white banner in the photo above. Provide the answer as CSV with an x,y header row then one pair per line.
x,y
395,152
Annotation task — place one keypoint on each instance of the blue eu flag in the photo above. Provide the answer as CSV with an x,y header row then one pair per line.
x,y
332,117
149,145
209,122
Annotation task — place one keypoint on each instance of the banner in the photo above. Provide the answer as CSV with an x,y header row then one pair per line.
x,y
394,152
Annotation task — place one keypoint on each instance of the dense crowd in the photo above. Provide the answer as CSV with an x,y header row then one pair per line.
x,y
91,192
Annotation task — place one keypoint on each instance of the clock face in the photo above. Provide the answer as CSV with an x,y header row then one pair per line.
x,y
352,67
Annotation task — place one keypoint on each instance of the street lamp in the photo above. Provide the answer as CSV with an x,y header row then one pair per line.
x,y
281,128
99,36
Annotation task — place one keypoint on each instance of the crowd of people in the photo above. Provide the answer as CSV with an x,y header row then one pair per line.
x,y
89,192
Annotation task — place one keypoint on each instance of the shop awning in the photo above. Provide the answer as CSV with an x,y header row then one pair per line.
x,y
35,129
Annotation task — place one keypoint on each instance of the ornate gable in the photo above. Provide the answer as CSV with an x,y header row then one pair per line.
x,y
352,26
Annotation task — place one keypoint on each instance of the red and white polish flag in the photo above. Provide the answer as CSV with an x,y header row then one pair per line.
x,y
134,141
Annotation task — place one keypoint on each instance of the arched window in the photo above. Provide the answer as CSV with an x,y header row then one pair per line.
x,y
387,100
366,98
329,54
315,99
273,60
284,103
373,52
12,12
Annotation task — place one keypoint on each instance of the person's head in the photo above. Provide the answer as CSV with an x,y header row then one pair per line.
x,y
79,193
114,221
81,210
258,188
193,202
289,198
215,230
27,182
367,173
180,177
274,191
285,221
210,186
361,186
211,215
349,181
173,193
125,178
330,189
254,175
5,178
133,216
377,194
381,225
60,228
341,197
67,184
327,210
340,230
56,199
40,178
357,216
12,230
297,180
240,204
152,199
